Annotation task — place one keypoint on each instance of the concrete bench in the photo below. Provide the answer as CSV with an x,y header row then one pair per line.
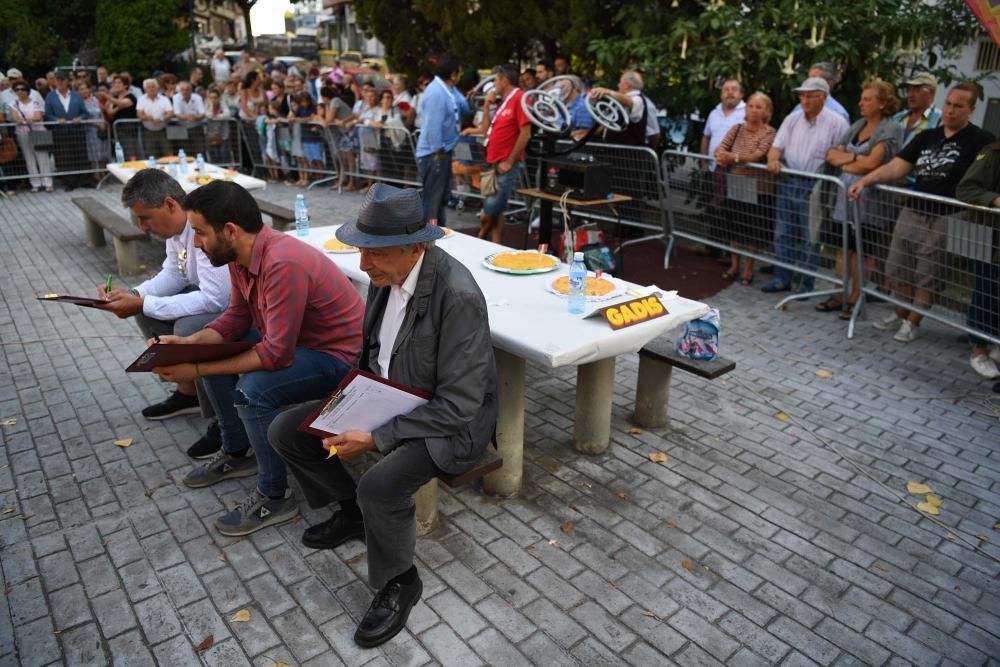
x,y
281,218
98,218
652,392
426,496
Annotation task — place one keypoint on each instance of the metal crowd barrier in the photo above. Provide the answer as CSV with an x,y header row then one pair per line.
x,y
935,256
218,140
746,210
44,150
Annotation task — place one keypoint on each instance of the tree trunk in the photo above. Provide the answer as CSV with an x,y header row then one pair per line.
x,y
245,6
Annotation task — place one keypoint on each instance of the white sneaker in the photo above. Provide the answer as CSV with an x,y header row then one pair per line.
x,y
995,353
888,323
908,332
985,366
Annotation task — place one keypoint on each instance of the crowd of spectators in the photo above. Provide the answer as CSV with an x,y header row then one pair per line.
x,y
288,108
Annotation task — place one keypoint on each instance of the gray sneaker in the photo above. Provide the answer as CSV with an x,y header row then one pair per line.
x,y
256,512
222,466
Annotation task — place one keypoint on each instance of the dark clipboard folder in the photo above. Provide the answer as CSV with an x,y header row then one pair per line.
x,y
163,354
85,301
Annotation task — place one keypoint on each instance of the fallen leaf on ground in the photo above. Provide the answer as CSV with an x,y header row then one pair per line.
x,y
881,567
566,527
150,492
927,508
933,500
687,565
530,547
205,645
8,588
279,664
242,616
124,442
8,422
657,457
951,537
781,416
823,373
651,615
996,526
918,488
635,430
553,543
622,495
9,510
222,557
671,524
587,485
984,538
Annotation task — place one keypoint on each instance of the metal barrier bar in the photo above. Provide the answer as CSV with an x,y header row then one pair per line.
x,y
217,139
790,221
47,150
932,256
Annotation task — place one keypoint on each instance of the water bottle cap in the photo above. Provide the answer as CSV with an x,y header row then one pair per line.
x,y
577,256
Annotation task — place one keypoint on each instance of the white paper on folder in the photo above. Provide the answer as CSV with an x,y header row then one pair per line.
x,y
364,405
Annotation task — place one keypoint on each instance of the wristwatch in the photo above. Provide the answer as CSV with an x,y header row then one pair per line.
x,y
134,292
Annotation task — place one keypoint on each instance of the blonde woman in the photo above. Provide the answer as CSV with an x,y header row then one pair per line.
x,y
752,209
869,143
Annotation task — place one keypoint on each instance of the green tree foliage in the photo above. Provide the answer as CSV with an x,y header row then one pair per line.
x,y
34,36
688,47
140,35
486,33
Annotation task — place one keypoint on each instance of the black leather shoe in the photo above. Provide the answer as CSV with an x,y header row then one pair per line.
x,y
333,532
388,613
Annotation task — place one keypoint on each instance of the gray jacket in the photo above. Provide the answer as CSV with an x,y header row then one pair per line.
x,y
443,347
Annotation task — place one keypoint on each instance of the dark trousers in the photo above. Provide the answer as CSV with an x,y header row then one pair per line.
x,y
384,492
435,174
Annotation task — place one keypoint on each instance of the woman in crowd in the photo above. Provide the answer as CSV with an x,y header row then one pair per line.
x,y
96,153
749,195
868,144
368,136
251,96
121,106
312,122
230,97
28,113
337,113
217,128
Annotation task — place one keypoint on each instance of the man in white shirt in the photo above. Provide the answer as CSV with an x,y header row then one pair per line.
x,y
642,124
221,68
183,297
801,144
154,110
725,115
189,109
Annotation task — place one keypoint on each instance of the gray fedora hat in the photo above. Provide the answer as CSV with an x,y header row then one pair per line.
x,y
390,216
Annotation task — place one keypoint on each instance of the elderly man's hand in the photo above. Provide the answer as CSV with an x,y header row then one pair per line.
x,y
774,166
350,444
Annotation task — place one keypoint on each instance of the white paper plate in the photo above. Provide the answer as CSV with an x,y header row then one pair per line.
x,y
488,263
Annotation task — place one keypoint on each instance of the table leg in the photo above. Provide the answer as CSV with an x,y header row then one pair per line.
x,y
426,499
594,385
510,426
545,226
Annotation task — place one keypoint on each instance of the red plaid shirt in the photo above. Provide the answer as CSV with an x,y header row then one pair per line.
x,y
296,297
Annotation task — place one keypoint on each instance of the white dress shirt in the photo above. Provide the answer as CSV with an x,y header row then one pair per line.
x,y
185,266
719,124
156,109
392,318
804,144
193,107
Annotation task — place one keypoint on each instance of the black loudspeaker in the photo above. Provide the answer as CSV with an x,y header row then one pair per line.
x,y
579,172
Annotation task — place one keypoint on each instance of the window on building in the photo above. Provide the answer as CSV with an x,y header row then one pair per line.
x,y
991,120
988,57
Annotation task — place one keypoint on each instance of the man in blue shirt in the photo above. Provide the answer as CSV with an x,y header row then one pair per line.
x,y
65,107
442,107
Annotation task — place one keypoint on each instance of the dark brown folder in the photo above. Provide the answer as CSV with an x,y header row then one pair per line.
x,y
163,354
85,301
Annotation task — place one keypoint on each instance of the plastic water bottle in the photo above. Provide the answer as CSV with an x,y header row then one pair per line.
x,y
577,284
151,162
199,164
182,161
301,216
119,152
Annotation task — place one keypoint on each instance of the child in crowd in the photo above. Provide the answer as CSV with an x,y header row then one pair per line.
x,y
267,123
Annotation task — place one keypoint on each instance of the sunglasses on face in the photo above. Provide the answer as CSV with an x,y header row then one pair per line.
x,y
20,89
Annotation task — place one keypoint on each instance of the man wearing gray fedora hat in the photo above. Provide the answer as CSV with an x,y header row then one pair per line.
x,y
426,326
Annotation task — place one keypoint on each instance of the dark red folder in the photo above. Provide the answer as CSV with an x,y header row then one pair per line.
x,y
85,301
163,354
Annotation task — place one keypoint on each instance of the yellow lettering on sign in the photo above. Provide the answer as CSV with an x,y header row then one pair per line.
x,y
614,317
639,310
627,315
653,305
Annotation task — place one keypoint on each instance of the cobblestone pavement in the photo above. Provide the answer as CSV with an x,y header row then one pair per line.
x,y
774,533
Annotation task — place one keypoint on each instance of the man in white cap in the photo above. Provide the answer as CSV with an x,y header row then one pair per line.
x,y
801,144
426,326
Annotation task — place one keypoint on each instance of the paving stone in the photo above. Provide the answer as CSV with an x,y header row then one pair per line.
x,y
39,645
544,651
69,607
83,646
158,620
113,613
27,601
603,626
554,622
447,648
301,636
462,618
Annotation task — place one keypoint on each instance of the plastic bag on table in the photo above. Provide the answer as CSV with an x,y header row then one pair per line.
x,y
700,338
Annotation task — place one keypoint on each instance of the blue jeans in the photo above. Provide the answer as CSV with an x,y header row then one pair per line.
x,y
496,204
247,404
435,174
791,233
